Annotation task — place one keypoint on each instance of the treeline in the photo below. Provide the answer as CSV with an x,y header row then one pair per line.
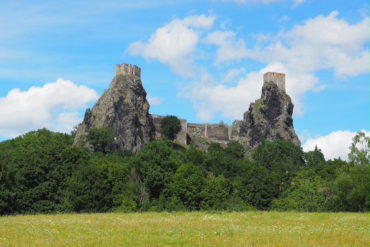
x,y
41,172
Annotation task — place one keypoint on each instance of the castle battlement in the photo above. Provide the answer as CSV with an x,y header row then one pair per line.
x,y
128,69
277,78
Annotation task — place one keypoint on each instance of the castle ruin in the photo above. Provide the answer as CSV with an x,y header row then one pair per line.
x,y
221,132
128,69
277,78
124,108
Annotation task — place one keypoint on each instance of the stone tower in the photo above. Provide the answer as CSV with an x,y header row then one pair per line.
x,y
128,69
277,78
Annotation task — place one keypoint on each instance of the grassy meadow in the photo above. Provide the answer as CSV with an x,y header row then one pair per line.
x,y
187,229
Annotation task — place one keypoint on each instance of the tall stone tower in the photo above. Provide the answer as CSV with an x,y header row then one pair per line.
x,y
277,78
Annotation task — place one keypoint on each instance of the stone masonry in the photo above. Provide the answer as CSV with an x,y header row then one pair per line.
x,y
277,78
128,69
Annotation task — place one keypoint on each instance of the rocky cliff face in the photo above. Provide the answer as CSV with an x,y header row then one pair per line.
x,y
124,109
268,118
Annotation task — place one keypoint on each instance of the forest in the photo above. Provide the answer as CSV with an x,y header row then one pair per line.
x,y
42,172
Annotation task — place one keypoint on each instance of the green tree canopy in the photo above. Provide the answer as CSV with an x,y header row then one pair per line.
x,y
101,139
360,149
187,185
278,155
170,127
314,158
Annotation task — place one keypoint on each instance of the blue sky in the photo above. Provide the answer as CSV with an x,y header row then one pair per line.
x,y
201,60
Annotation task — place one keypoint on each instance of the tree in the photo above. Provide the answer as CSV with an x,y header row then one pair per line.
x,y
155,165
89,190
216,193
6,194
278,155
34,168
305,193
170,126
314,158
256,186
235,149
360,149
187,185
101,139
352,189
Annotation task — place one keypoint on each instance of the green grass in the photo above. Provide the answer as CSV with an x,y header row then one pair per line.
x,y
187,229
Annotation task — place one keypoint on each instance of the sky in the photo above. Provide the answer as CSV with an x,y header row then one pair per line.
x,y
201,60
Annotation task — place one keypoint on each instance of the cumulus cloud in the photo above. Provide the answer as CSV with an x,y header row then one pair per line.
x,y
320,43
209,98
155,100
324,42
334,145
233,100
54,106
229,47
174,43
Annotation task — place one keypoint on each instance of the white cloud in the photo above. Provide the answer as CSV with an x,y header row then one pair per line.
x,y
155,100
321,43
65,121
232,74
233,100
174,43
53,106
334,145
324,42
229,47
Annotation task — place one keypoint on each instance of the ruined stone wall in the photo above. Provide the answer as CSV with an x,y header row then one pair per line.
x,y
277,78
196,130
215,132
128,69
218,132
157,125
180,137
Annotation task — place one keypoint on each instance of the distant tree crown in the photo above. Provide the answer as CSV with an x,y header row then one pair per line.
x,y
170,127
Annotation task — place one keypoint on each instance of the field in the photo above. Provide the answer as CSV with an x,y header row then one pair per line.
x,y
187,229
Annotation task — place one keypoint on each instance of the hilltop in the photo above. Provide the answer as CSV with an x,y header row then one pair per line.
x,y
125,110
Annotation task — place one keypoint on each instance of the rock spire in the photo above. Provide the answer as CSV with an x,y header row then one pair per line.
x,y
268,118
123,108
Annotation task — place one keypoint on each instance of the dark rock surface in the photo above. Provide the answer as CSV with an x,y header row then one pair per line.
x,y
124,109
268,118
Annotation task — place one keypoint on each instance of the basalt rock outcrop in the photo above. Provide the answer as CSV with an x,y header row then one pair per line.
x,y
123,108
268,118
